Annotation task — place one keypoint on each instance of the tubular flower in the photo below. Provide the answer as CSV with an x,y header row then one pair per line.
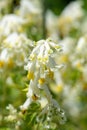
x,y
11,23
41,69
21,46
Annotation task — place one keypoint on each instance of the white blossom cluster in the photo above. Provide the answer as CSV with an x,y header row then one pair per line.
x,y
41,69
14,49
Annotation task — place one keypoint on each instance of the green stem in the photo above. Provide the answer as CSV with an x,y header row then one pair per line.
x,y
44,18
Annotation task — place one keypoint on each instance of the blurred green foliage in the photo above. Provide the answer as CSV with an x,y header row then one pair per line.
x,y
85,4
56,5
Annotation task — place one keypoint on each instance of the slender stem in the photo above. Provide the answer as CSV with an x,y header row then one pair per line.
x,y
44,6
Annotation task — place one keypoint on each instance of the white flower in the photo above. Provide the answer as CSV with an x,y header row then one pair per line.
x,y
82,45
29,7
4,55
76,8
26,104
71,99
40,67
16,40
11,23
51,26
16,49
68,44
68,21
43,101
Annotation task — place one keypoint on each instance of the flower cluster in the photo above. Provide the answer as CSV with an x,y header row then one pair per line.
x,y
41,70
20,45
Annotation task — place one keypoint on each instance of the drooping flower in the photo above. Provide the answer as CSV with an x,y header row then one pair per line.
x,y
41,68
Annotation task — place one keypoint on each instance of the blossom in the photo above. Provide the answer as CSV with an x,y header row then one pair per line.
x,y
21,46
81,46
41,68
68,21
11,23
29,7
